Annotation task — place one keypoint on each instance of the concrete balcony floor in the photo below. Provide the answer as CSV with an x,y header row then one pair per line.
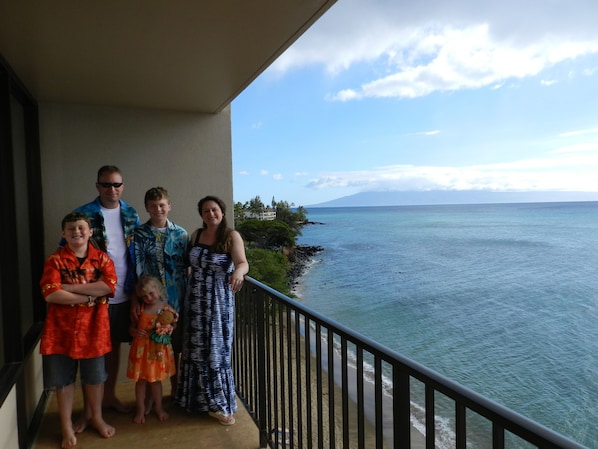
x,y
181,431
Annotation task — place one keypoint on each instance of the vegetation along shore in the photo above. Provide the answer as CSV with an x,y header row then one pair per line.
x,y
270,234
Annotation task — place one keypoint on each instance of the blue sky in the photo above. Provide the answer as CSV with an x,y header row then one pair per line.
x,y
425,95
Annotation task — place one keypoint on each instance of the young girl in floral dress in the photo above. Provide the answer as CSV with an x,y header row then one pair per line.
x,y
151,357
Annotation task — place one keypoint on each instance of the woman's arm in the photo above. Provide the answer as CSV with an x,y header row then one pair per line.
x,y
241,265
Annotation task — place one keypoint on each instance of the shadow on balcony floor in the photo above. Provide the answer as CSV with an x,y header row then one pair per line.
x,y
181,431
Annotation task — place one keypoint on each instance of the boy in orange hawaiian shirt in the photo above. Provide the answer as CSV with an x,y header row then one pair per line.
x,y
75,283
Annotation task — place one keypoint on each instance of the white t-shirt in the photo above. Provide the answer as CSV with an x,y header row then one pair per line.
x,y
117,250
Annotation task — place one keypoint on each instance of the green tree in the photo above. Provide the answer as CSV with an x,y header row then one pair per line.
x,y
239,212
267,238
301,215
273,234
269,267
294,219
255,205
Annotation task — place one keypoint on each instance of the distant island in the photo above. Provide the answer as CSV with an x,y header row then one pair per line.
x,y
437,197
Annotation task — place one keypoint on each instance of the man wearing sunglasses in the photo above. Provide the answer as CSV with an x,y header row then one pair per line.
x,y
113,222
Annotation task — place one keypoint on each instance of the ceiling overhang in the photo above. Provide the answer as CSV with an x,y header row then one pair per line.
x,y
186,55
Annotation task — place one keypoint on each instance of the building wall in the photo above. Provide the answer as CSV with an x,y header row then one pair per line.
x,y
8,422
33,383
188,154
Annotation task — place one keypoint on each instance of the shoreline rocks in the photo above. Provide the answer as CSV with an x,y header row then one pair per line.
x,y
300,258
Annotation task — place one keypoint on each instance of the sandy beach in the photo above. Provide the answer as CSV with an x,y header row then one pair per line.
x,y
301,261
315,403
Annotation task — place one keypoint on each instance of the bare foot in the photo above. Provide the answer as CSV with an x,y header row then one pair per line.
x,y
69,440
139,418
162,415
117,405
104,429
81,424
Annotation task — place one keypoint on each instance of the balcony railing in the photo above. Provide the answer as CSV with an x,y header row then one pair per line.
x,y
310,382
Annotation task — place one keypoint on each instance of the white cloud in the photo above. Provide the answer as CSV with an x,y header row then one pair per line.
x,y
425,133
577,148
277,176
244,173
465,58
548,83
579,132
414,51
557,174
264,172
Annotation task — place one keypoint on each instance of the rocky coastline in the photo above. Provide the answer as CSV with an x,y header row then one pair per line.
x,y
300,258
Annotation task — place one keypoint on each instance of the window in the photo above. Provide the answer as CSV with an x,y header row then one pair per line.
x,y
21,254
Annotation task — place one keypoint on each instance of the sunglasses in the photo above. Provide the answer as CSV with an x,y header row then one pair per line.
x,y
107,185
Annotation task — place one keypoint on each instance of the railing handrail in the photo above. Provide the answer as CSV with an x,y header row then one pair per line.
x,y
499,415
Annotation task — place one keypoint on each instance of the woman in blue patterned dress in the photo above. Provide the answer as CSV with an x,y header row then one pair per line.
x,y
218,264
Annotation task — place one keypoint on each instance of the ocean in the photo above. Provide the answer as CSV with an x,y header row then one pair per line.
x,y
501,298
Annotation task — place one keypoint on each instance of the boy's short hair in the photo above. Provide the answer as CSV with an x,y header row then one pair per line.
x,y
156,193
75,216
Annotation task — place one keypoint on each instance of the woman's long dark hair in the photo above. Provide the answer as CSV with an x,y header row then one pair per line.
x,y
223,232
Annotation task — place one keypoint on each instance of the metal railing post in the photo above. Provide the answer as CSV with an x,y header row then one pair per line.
x,y
259,300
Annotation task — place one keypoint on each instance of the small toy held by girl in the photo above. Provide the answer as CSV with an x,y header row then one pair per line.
x,y
151,358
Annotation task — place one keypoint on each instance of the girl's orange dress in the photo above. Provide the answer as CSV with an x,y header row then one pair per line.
x,y
149,360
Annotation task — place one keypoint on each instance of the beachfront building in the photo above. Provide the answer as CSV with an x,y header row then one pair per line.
x,y
144,86
267,214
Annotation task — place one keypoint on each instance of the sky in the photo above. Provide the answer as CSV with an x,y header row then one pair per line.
x,y
417,95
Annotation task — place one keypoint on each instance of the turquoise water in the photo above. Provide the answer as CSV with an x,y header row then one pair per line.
x,y
500,298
